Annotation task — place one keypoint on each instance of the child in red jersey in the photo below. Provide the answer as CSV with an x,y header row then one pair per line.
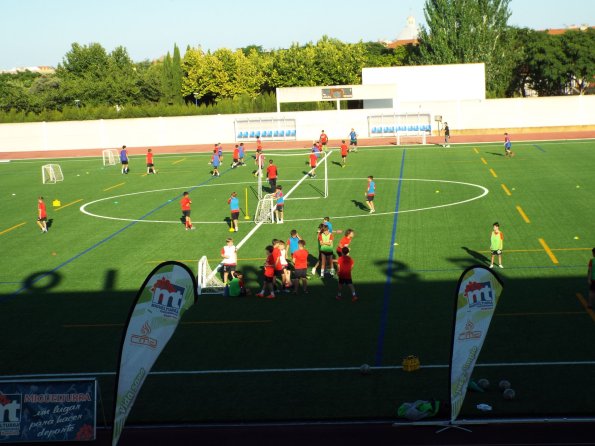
x,y
300,263
344,151
345,265
345,241
150,165
269,275
42,216
185,203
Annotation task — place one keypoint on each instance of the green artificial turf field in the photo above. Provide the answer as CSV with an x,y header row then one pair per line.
x,y
65,295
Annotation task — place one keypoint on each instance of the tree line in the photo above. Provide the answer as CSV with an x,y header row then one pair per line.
x,y
91,83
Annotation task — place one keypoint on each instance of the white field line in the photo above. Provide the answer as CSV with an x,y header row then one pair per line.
x,y
484,190
298,370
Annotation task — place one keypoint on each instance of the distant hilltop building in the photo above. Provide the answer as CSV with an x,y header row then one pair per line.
x,y
558,31
408,35
41,69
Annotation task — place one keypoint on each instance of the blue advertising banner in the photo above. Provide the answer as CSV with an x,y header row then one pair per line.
x,y
48,410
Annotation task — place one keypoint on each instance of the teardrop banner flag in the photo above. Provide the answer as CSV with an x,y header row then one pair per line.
x,y
477,295
163,298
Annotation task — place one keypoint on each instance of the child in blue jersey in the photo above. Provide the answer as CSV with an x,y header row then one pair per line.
x,y
124,159
370,193
280,204
234,208
352,141
292,241
220,151
508,146
327,221
241,153
215,161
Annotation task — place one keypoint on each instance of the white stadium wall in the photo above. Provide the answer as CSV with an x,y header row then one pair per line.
x,y
462,115
422,83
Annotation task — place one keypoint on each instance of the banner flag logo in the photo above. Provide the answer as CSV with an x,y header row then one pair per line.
x,y
163,298
478,291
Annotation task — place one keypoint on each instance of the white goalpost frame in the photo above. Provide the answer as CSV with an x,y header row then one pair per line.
x,y
109,157
265,209
207,279
51,173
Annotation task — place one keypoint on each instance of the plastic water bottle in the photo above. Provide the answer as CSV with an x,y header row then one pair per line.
x,y
484,407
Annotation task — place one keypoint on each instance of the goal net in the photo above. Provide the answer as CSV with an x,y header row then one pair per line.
x,y
209,281
265,209
51,173
109,157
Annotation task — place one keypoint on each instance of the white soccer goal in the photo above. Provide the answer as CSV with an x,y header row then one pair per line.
x,y
208,280
109,157
265,209
51,173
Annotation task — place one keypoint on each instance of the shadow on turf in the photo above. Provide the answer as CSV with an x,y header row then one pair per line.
x,y
495,153
359,204
479,257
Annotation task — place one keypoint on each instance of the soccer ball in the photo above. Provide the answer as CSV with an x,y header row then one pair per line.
x,y
504,384
364,369
509,394
483,383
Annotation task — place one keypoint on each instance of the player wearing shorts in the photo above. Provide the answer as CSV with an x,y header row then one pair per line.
x,y
496,244
230,258
345,241
345,265
326,250
234,208
286,276
185,203
344,151
124,159
42,217
370,193
215,161
280,204
591,280
272,176
446,135
508,146
300,263
236,157
269,275
241,153
150,165
313,161
323,140
353,141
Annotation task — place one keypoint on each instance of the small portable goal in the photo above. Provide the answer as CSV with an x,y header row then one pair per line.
x,y
109,157
51,174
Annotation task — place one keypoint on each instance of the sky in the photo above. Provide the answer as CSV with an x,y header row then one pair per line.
x,y
40,32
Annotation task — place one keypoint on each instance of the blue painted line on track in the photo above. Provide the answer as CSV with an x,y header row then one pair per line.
x,y
538,148
389,272
101,242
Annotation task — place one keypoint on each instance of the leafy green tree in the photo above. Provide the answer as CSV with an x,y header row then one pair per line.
x,y
466,31
579,49
177,74
546,64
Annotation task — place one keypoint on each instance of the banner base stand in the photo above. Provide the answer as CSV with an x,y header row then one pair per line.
x,y
453,426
